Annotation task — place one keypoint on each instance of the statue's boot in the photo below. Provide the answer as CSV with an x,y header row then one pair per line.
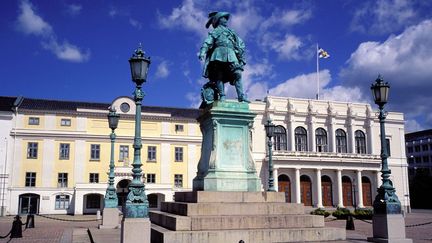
x,y
221,90
239,89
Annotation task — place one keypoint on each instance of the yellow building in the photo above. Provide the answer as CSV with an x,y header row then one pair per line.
x,y
61,153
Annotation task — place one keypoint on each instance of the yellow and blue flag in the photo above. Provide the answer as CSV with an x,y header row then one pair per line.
x,y
323,54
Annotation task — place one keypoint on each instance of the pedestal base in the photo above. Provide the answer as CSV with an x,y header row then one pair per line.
x,y
389,228
135,230
110,219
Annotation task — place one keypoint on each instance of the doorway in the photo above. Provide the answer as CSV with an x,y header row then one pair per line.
x,y
327,193
347,191
284,185
29,203
306,190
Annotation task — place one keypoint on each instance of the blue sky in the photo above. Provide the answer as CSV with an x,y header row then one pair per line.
x,y
79,50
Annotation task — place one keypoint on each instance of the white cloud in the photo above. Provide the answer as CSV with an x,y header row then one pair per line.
x,y
135,23
287,48
29,22
66,51
345,94
187,17
162,70
194,99
412,126
383,16
405,61
74,9
286,18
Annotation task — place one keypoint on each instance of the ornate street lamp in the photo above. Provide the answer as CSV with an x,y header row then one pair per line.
x,y
136,202
270,128
111,200
386,202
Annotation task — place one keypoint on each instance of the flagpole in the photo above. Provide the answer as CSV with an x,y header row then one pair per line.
x,y
317,61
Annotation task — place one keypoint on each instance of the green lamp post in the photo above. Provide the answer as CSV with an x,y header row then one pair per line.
x,y
111,200
269,128
386,202
136,201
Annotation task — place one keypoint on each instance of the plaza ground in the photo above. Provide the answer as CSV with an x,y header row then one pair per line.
x,y
67,229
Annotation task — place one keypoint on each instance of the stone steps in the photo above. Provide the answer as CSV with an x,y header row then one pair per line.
x,y
250,208
225,222
162,235
228,197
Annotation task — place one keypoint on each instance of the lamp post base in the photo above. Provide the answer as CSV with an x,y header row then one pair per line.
x,y
110,219
135,230
389,228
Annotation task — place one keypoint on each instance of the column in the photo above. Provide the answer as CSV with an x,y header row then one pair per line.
x,y
319,188
359,189
351,139
297,185
311,132
276,181
339,188
331,138
291,136
369,138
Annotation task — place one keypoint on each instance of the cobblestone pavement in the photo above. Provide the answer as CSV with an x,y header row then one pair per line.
x,y
55,231
49,230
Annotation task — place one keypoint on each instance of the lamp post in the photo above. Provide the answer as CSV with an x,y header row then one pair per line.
x,y
386,202
387,222
111,200
136,201
269,128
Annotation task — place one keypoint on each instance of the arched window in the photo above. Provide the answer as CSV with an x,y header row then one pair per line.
x,y
341,141
300,139
280,138
321,140
360,142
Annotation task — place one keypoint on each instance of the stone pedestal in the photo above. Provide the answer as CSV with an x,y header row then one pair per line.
x,y
110,219
226,162
389,228
135,230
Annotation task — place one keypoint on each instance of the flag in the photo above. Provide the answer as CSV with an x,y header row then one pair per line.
x,y
323,54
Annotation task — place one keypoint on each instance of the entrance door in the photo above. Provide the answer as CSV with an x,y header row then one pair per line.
x,y
367,192
327,193
122,192
284,185
347,191
306,190
29,203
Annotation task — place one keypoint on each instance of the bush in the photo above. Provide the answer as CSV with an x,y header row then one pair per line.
x,y
341,213
320,211
363,213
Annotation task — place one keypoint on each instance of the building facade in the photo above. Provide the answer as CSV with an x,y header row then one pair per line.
x,y
59,151
419,151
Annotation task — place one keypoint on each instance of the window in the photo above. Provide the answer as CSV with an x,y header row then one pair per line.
x,y
280,138
62,180
360,142
65,122
410,160
410,149
124,152
417,148
93,201
418,159
178,154
388,147
178,180
151,153
341,142
33,121
64,151
425,147
425,159
151,178
179,128
62,202
321,140
30,180
94,178
32,150
95,152
300,139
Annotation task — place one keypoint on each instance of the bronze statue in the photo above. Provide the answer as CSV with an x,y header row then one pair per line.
x,y
223,52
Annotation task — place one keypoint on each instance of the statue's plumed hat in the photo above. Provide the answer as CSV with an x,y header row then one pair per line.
x,y
215,16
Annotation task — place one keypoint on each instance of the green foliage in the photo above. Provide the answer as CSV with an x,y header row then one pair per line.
x,y
341,213
320,211
363,213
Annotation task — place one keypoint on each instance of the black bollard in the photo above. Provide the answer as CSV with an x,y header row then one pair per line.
x,y
350,223
16,231
30,221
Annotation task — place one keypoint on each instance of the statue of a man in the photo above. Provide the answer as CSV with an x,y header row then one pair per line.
x,y
223,52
